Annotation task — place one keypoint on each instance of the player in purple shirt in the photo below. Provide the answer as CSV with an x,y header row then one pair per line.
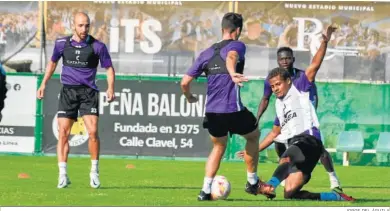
x,y
223,64
80,54
286,60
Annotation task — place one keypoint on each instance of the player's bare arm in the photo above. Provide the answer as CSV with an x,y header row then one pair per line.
x,y
315,65
231,63
50,68
185,88
269,138
110,84
262,107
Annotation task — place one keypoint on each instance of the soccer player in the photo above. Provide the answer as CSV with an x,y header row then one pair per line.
x,y
297,126
80,54
3,89
286,60
223,64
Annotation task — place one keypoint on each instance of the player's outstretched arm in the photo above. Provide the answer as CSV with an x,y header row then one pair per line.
x,y
50,68
315,65
269,138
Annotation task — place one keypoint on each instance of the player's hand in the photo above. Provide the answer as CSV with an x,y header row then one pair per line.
x,y
41,92
110,95
192,99
240,154
329,32
238,79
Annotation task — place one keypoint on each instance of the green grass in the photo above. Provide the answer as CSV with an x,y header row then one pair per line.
x,y
167,183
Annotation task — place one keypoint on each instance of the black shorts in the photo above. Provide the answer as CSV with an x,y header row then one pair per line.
x,y
304,152
219,125
75,99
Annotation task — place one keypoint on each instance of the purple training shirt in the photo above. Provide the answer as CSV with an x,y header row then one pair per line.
x,y
223,95
81,76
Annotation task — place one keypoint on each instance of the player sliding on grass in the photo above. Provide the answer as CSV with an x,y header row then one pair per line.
x,y
297,126
223,64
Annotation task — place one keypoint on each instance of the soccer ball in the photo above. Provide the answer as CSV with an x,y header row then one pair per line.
x,y
220,188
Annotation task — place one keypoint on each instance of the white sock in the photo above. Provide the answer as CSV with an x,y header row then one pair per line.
x,y
207,181
62,167
334,181
95,166
252,178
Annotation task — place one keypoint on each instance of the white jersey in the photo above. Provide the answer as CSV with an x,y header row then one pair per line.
x,y
295,112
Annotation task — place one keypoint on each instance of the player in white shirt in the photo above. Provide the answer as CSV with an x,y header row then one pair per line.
x,y
297,126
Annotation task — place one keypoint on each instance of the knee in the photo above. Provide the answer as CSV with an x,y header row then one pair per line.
x,y
93,136
220,146
253,136
63,134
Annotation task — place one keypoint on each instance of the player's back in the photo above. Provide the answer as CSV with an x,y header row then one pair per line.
x,y
223,95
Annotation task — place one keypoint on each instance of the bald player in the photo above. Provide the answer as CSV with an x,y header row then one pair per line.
x,y
80,55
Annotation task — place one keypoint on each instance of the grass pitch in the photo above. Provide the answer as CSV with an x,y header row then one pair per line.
x,y
167,183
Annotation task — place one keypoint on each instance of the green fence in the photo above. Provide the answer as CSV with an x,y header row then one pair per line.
x,y
342,107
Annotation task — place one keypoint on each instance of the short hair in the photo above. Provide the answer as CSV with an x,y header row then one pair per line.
x,y
283,49
283,73
232,21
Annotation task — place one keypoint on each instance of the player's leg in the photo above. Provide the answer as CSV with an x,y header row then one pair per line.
x,y
66,116
251,158
64,127
213,162
310,149
89,110
327,162
244,124
305,148
280,148
217,127
296,180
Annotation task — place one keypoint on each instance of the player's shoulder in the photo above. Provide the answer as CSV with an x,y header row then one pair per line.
x,y
62,39
301,73
99,44
207,53
237,43
60,42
